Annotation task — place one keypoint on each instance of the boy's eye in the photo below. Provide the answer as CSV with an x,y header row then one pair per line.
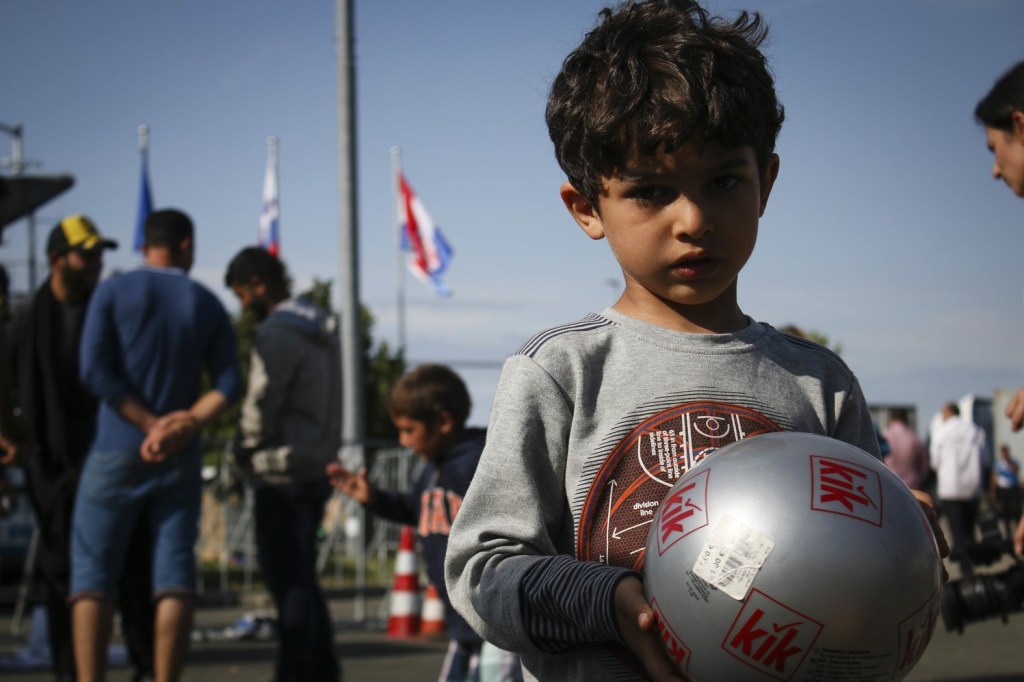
x,y
653,194
725,182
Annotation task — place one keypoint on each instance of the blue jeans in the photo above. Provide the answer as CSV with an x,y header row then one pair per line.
x,y
117,490
287,520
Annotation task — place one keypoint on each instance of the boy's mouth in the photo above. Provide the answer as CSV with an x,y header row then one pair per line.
x,y
697,266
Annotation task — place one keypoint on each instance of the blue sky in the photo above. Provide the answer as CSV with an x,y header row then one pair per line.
x,y
885,230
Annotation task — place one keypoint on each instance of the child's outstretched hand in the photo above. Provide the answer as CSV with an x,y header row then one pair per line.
x,y
636,625
356,486
928,505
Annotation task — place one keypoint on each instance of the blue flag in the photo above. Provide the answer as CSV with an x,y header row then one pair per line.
x,y
145,204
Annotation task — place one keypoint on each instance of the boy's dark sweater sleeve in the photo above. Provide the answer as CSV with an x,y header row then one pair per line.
x,y
566,602
394,506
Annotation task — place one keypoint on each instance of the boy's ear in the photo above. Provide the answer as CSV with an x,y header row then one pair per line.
x,y
583,211
445,422
768,181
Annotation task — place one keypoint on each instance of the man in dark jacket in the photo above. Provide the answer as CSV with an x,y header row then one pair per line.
x,y
290,428
58,416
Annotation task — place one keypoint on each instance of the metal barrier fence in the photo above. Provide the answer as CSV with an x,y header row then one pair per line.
x,y
227,532
350,544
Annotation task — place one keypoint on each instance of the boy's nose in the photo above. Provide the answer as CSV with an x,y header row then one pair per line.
x,y
690,220
995,170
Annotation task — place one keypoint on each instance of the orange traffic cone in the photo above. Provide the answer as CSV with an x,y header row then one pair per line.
x,y
432,617
404,605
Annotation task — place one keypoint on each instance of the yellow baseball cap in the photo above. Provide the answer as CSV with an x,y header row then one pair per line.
x,y
77,232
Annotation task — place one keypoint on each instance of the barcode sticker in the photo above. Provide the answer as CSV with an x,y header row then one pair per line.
x,y
732,556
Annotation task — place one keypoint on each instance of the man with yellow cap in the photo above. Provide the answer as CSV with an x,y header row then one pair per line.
x,y
58,420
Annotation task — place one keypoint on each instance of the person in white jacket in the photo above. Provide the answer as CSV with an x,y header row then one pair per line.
x,y
959,457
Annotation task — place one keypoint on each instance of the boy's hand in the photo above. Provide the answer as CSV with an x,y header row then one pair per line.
x,y
356,486
929,509
635,619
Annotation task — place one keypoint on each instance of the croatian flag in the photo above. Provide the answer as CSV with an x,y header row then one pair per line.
x,y
269,237
429,253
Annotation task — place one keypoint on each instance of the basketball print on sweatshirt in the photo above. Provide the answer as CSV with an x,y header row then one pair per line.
x,y
639,470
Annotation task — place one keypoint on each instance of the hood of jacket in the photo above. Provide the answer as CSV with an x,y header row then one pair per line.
x,y
302,317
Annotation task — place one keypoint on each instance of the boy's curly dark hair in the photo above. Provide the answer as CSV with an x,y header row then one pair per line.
x,y
653,76
427,391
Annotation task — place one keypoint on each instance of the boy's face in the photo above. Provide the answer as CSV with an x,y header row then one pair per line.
x,y
682,226
1008,149
429,440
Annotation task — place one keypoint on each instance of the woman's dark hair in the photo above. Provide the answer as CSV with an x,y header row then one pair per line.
x,y
995,110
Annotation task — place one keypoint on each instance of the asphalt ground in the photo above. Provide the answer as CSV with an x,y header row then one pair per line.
x,y
988,650
365,650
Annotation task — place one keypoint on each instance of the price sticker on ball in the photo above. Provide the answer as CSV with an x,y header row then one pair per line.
x,y
732,556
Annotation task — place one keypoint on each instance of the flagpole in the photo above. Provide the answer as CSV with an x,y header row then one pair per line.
x,y
353,429
396,170
145,197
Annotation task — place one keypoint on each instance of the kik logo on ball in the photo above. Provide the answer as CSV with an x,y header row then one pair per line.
x,y
683,511
844,488
771,637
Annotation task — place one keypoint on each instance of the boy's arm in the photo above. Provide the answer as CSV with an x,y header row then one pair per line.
x,y
509,568
394,506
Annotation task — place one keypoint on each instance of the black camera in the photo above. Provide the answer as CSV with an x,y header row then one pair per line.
x,y
980,597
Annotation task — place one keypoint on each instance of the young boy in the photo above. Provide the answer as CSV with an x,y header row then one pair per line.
x,y
429,407
664,121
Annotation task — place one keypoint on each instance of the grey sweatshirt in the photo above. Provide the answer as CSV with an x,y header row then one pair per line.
x,y
591,425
